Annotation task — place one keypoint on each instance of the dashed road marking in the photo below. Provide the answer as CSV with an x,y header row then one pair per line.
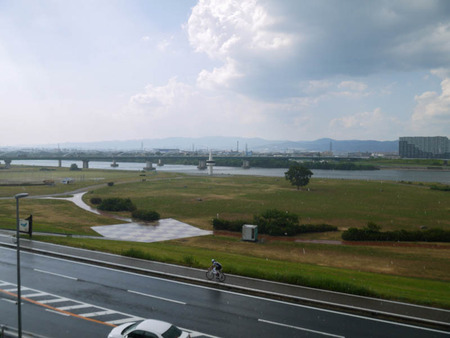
x,y
46,298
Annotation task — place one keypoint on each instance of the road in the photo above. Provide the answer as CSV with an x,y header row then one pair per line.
x,y
70,299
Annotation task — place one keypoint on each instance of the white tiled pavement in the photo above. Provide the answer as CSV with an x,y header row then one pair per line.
x,y
163,230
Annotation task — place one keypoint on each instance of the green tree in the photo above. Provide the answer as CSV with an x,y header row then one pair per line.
x,y
298,175
74,167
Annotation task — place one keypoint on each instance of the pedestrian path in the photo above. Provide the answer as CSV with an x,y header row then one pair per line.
x,y
162,230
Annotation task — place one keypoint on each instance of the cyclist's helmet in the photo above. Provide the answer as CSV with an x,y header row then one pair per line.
x,y
212,260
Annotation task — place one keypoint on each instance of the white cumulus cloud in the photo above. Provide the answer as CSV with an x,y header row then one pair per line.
x,y
366,125
433,109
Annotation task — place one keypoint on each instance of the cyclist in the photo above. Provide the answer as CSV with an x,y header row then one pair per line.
x,y
216,267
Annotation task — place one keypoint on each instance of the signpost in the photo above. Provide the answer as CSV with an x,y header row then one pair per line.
x,y
19,298
26,225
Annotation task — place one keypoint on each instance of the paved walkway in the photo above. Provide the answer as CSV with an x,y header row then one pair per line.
x,y
162,230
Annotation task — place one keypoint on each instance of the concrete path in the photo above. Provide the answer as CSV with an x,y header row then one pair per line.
x,y
162,230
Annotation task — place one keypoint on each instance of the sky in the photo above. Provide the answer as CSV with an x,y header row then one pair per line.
x,y
100,70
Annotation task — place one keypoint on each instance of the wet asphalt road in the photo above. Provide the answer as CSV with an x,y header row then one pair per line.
x,y
96,296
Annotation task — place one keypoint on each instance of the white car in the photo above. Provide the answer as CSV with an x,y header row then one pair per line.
x,y
149,328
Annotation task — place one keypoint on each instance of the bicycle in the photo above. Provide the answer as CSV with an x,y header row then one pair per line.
x,y
210,274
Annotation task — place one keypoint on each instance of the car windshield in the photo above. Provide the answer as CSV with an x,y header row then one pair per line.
x,y
130,327
172,332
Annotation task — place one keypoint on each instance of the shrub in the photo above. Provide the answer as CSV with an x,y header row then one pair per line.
x,y
117,204
276,223
222,224
365,234
110,184
145,215
96,200
440,187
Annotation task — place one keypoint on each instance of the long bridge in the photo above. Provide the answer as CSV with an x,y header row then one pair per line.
x,y
148,159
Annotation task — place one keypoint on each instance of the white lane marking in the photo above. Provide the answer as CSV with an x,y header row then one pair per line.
x,y
300,328
58,313
236,293
72,307
36,294
98,313
55,300
127,317
125,320
153,296
55,274
10,301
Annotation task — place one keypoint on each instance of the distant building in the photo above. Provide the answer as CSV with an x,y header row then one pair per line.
x,y
424,147
360,154
167,151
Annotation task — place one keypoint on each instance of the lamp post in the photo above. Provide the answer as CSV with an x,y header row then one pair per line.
x,y
19,310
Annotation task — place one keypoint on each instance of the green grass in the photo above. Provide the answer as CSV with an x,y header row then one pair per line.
x,y
392,272
58,216
418,290
14,180
346,203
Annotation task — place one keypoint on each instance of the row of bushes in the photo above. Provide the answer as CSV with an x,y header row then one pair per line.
x,y
124,204
273,222
145,215
223,224
366,234
332,165
116,204
440,187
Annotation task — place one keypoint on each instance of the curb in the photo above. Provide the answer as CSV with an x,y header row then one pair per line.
x,y
373,313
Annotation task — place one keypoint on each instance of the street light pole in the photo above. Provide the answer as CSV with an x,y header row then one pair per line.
x,y
19,310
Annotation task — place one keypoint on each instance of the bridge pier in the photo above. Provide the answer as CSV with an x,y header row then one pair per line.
x,y
160,163
210,163
59,163
114,164
85,164
246,164
201,165
148,166
7,164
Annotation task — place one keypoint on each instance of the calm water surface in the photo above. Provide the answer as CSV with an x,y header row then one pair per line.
x,y
379,175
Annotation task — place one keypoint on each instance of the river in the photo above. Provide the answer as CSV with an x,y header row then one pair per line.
x,y
406,175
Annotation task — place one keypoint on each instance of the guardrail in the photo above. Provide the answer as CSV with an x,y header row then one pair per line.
x,y
12,332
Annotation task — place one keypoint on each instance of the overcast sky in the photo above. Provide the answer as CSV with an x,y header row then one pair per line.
x,y
97,70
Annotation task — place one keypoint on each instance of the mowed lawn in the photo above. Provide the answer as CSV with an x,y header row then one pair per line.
x,y
343,203
417,273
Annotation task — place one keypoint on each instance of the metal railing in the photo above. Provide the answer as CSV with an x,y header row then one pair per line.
x,y
12,332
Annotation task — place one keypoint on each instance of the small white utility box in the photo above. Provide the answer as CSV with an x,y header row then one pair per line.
x,y
250,232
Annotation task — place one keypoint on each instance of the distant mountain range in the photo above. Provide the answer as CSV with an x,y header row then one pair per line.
x,y
238,144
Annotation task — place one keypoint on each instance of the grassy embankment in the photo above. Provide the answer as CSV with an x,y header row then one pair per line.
x,y
417,274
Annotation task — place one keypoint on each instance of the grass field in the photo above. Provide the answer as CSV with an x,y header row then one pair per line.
x,y
415,273
343,203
